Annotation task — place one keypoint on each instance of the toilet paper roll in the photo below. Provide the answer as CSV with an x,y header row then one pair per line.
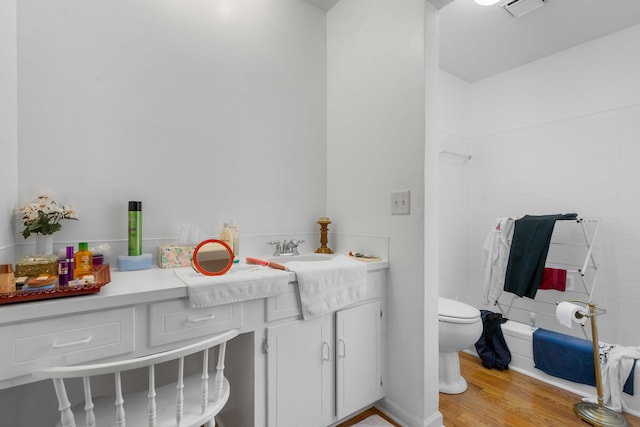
x,y
567,313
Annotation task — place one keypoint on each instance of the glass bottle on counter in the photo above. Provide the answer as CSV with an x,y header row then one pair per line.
x,y
226,235
235,232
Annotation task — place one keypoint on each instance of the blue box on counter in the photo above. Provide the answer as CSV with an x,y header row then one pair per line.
x,y
136,262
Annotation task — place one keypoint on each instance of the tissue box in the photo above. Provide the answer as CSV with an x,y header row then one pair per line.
x,y
172,256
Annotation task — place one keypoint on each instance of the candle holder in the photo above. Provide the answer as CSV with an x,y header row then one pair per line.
x,y
324,229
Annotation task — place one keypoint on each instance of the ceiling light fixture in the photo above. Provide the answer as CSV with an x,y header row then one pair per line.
x,y
486,2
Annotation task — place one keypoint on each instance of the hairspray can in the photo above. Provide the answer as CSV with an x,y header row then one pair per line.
x,y
135,228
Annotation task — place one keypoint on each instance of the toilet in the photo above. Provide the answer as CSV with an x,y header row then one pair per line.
x,y
459,327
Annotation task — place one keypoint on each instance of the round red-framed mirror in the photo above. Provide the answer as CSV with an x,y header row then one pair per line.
x,y
212,257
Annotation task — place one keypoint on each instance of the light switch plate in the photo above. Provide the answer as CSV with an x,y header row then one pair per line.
x,y
400,203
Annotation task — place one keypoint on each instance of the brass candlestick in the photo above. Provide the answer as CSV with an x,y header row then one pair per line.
x,y
324,229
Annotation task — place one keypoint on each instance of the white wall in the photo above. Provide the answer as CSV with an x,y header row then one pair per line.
x,y
431,240
455,180
376,145
559,135
212,110
8,127
204,110
590,78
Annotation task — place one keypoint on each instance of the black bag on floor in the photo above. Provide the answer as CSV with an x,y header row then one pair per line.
x,y
491,347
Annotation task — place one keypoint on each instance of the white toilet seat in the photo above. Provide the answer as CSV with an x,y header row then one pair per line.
x,y
453,311
458,320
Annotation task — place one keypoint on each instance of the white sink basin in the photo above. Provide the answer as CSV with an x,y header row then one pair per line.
x,y
304,257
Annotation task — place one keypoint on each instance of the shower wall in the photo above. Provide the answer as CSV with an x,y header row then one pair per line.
x,y
558,135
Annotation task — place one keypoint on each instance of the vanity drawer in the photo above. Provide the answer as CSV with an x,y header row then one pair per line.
x,y
175,320
284,306
67,340
375,284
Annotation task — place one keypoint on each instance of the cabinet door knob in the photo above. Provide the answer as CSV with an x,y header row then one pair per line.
x,y
342,348
326,351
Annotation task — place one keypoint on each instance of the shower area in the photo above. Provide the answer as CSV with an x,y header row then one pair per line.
x,y
557,135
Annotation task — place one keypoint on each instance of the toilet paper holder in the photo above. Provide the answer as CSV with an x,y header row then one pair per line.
x,y
592,413
594,310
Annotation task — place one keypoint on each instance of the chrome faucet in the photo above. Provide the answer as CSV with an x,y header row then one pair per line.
x,y
285,248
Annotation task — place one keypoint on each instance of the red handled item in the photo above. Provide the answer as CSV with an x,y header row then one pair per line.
x,y
266,263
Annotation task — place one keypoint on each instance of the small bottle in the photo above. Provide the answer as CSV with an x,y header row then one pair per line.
x,y
70,263
7,279
83,261
135,228
63,272
226,235
532,320
235,230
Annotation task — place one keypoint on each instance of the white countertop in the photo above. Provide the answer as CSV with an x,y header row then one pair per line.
x,y
126,288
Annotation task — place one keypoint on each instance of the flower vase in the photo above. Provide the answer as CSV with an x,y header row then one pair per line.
x,y
44,244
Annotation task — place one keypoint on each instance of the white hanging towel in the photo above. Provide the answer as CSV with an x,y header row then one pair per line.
x,y
615,371
496,252
326,286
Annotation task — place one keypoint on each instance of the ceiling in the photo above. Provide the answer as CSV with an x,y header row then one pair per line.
x,y
479,41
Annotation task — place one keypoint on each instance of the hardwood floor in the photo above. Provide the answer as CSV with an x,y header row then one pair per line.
x,y
509,399
502,399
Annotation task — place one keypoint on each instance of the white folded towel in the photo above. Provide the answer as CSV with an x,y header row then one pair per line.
x,y
240,283
328,285
615,371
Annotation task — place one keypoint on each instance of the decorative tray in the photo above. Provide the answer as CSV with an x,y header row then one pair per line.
x,y
101,273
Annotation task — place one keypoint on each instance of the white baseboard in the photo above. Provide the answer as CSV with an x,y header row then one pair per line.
x,y
406,419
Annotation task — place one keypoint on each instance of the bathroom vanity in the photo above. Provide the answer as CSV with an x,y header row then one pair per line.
x,y
284,371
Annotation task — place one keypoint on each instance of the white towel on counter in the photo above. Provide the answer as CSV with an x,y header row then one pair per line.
x,y
325,286
241,283
615,371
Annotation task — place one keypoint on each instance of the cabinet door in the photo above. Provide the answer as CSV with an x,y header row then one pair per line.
x,y
358,358
300,373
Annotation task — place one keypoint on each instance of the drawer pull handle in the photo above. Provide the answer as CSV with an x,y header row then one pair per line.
x,y
72,343
201,319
